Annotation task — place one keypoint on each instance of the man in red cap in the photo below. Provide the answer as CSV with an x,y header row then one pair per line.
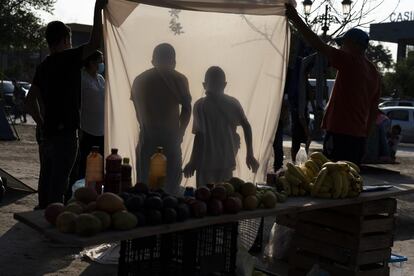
x,y
353,105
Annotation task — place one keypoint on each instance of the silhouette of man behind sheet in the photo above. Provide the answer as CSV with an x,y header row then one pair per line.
x,y
158,94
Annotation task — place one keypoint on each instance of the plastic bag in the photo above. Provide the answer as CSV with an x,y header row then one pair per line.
x,y
279,242
244,262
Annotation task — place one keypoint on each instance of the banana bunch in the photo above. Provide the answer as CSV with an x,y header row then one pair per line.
x,y
320,177
296,180
337,180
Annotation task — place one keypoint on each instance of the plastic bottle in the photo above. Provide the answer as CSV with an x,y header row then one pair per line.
x,y
126,170
113,172
94,170
157,170
301,156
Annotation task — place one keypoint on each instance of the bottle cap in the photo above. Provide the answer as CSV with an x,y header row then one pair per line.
x,y
114,151
160,149
95,148
126,160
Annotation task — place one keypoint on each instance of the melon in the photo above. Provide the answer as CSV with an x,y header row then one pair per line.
x,y
66,222
52,211
110,203
85,195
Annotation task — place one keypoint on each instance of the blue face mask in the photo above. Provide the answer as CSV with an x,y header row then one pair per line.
x,y
101,68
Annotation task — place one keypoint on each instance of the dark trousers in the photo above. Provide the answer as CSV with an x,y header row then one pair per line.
x,y
298,133
278,147
57,155
344,147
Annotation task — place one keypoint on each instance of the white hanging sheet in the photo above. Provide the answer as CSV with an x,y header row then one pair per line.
x,y
252,48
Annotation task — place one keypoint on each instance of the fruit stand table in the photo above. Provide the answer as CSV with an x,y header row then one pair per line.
x,y
36,220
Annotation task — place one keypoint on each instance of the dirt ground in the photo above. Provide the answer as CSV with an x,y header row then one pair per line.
x,y
25,252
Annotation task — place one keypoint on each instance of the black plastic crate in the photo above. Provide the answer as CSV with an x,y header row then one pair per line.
x,y
251,234
201,251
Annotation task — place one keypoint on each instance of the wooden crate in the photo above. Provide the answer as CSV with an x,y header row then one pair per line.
x,y
346,240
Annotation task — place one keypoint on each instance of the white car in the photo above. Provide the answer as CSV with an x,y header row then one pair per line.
x,y
390,103
404,117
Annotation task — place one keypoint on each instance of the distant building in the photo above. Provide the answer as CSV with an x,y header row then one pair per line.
x,y
399,30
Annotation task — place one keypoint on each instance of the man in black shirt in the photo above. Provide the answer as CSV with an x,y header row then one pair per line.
x,y
53,101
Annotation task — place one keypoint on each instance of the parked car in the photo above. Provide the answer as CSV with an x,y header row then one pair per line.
x,y
404,117
396,103
6,92
25,86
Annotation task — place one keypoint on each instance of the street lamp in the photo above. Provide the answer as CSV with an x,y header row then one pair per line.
x,y
307,5
325,20
346,7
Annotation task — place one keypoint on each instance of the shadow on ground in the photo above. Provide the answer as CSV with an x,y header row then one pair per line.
x,y
32,250
11,196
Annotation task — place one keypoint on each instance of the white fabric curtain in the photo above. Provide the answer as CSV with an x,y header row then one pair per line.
x,y
252,48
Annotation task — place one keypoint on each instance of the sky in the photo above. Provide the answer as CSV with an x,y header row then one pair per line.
x,y
81,11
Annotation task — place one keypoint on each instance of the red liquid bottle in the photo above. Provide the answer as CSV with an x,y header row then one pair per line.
x,y
113,172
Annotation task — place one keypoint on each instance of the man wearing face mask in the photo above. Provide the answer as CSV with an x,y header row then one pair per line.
x,y
53,102
92,109
158,94
352,108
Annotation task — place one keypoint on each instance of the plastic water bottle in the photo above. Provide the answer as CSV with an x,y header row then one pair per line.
x,y
301,156
158,170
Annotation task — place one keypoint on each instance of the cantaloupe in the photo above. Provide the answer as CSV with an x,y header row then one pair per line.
x,y
110,203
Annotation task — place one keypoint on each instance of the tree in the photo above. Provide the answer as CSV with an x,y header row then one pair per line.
x,y
402,79
361,14
380,56
19,25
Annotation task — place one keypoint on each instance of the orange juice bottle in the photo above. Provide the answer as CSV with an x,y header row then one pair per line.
x,y
94,170
157,170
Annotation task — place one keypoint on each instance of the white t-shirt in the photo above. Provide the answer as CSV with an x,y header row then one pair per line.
x,y
216,118
92,104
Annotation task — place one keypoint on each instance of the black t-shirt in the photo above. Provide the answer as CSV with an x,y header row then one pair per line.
x,y
59,79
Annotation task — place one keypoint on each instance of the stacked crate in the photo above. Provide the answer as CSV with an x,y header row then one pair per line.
x,y
348,240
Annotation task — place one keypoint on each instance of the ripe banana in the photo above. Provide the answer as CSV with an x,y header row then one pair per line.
x,y
353,165
295,190
345,184
318,157
336,166
297,172
293,180
325,189
313,167
319,181
307,173
353,172
337,182
286,185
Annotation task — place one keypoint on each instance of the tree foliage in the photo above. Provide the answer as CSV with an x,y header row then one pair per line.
x,y
20,25
380,56
401,80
